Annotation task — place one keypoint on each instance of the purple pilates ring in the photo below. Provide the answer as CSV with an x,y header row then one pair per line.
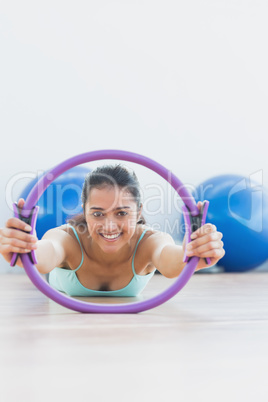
x,y
86,307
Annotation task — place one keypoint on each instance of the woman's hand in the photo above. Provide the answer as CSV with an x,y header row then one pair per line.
x,y
206,243
13,240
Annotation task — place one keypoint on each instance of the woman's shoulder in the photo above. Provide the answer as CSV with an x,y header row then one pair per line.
x,y
154,239
62,233
156,235
73,230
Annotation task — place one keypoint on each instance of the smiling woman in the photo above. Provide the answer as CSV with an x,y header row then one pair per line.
x,y
113,176
108,233
101,255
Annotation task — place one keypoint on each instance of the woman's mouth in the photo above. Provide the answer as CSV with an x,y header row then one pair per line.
x,y
111,237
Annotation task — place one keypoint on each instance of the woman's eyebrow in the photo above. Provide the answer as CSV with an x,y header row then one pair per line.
x,y
115,209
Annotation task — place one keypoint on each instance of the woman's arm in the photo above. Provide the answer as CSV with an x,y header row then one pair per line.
x,y
167,257
51,251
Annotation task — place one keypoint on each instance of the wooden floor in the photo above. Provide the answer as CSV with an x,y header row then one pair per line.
x,y
208,343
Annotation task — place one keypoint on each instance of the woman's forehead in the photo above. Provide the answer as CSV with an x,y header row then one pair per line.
x,y
110,195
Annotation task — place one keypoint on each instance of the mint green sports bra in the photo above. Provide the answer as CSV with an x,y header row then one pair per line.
x,y
66,280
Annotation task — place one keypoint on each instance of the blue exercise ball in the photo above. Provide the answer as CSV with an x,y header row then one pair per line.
x,y
239,209
60,201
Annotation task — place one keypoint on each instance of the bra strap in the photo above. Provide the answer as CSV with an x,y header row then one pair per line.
x,y
76,235
143,233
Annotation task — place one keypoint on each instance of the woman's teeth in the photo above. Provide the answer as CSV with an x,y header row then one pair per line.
x,y
114,236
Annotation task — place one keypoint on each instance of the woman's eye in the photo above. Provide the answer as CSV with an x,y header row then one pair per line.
x,y
122,213
97,214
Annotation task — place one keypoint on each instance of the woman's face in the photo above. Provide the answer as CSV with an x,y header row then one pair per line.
x,y
111,214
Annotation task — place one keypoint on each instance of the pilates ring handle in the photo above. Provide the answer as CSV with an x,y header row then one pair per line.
x,y
192,223
29,220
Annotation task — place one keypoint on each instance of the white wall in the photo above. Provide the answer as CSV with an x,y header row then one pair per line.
x,y
182,82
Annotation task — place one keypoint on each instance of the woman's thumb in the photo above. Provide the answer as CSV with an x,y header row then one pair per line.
x,y
21,202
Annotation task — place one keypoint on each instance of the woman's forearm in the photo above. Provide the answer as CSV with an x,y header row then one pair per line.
x,y
47,256
171,261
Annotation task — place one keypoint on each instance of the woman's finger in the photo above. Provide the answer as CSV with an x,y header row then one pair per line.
x,y
18,243
216,253
205,229
21,202
9,248
198,250
18,224
199,205
6,234
205,239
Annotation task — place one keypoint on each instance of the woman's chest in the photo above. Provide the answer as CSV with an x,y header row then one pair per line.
x,y
98,277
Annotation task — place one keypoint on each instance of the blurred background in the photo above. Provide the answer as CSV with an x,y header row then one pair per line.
x,y
183,83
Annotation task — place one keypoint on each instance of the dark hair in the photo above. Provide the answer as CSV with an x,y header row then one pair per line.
x,y
108,175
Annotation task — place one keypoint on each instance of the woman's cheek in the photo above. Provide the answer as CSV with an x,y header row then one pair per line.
x,y
93,227
130,225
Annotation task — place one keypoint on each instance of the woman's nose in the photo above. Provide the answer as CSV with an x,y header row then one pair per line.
x,y
110,225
